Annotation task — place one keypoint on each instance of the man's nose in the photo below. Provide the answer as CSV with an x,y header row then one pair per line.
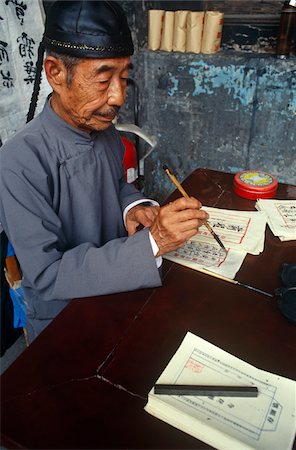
x,y
116,93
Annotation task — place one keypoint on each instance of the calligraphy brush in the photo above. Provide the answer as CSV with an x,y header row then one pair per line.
x,y
238,283
184,193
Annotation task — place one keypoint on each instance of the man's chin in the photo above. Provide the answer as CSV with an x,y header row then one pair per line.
x,y
103,121
96,125
102,125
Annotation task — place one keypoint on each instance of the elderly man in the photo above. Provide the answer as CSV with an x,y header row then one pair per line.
x,y
65,207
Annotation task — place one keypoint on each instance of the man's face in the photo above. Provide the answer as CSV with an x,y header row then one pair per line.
x,y
96,92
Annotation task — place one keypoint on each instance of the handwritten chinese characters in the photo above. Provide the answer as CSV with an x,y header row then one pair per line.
x,y
288,213
19,8
25,45
241,230
206,254
26,52
21,29
281,217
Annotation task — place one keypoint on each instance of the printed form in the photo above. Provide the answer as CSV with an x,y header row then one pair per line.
x,y
241,232
281,217
230,423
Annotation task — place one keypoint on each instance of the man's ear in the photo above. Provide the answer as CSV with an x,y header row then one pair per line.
x,y
56,73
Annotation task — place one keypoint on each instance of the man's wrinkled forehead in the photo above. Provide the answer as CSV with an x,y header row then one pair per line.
x,y
110,65
95,67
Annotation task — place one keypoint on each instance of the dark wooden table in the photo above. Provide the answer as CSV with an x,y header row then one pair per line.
x,y
83,383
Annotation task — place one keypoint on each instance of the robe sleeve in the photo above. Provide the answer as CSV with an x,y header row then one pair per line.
x,y
50,268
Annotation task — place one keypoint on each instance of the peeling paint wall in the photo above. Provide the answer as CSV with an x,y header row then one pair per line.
x,y
230,111
226,111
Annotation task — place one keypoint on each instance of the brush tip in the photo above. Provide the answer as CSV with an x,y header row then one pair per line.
x,y
165,167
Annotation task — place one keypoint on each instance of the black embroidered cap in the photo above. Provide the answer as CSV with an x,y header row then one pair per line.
x,y
87,29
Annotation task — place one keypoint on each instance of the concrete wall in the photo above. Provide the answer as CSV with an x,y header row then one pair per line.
x,y
229,111
225,112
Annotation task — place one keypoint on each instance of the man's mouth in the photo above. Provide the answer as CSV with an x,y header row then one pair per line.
x,y
106,118
108,115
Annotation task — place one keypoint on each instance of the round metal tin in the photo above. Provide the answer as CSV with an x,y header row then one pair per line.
x,y
254,184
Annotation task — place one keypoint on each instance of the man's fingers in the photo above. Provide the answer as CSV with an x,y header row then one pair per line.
x,y
192,224
176,223
184,203
140,216
131,228
190,214
146,218
179,216
151,213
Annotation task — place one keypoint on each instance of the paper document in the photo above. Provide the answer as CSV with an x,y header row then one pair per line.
x,y
228,423
281,217
241,232
202,255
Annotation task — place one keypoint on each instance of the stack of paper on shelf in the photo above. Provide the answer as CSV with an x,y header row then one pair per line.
x,y
241,232
263,422
281,217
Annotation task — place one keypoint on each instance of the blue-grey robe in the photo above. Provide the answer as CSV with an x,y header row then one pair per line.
x,y
62,199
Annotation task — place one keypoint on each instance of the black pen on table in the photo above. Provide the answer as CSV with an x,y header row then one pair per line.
x,y
211,391
184,193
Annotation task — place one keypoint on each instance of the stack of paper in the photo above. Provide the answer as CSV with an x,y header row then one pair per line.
x,y
240,423
241,232
281,217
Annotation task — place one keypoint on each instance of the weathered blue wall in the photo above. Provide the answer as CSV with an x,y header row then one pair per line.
x,y
227,111
230,111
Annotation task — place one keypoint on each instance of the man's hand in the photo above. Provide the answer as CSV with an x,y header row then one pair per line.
x,y
176,223
140,215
